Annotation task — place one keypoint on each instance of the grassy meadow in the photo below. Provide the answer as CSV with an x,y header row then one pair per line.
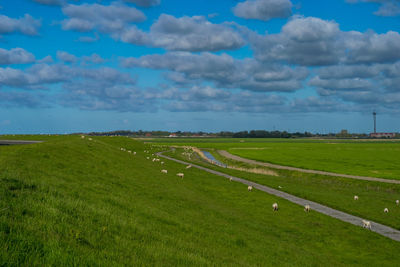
x,y
335,192
365,158
72,201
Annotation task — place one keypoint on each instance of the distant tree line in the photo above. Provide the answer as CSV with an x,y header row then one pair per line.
x,y
227,134
343,134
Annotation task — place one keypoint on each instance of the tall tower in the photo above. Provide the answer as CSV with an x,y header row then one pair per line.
x,y
374,114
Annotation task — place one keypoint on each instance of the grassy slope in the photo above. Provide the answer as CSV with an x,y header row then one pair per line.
x,y
375,159
77,202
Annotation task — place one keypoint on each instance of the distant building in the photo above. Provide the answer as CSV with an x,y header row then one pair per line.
x,y
382,135
172,135
148,135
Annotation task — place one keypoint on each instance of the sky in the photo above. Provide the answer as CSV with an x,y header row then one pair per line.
x,y
291,65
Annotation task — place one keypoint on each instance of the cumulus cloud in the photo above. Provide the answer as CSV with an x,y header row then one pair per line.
x,y
15,56
263,9
387,8
315,42
185,34
303,41
39,76
371,47
223,70
144,3
26,25
66,57
108,19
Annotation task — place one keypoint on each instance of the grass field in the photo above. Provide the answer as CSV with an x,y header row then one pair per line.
x,y
334,192
71,201
365,158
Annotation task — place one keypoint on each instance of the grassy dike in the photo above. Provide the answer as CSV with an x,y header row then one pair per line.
x,y
71,201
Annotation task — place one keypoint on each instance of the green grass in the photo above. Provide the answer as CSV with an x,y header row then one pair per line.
x,y
334,192
78,202
365,158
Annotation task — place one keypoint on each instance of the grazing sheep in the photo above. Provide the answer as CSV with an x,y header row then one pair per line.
x,y
230,179
366,224
129,151
386,210
180,175
164,171
355,197
249,188
397,202
154,159
90,139
188,166
82,136
275,206
162,162
279,186
147,158
307,208
134,152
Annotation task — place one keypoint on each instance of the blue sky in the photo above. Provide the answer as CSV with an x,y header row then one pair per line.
x,y
228,65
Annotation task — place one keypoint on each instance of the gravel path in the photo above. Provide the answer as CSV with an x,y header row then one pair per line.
x,y
275,166
375,227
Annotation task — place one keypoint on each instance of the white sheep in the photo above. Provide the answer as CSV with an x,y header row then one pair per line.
x,y
230,179
129,151
275,206
249,188
188,166
386,210
154,159
355,197
397,202
147,157
162,162
164,171
134,152
82,136
307,208
366,224
180,175
90,139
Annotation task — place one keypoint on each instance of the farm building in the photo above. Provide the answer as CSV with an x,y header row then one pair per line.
x,y
382,135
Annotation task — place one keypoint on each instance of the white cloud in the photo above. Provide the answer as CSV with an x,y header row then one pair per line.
x,y
15,56
108,19
263,9
25,25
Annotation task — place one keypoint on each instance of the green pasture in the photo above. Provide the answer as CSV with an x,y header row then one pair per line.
x,y
74,202
356,157
335,192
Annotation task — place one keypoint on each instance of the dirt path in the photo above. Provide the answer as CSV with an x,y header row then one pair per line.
x,y
375,227
275,166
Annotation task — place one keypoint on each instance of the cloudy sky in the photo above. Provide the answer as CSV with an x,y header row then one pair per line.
x,y
294,65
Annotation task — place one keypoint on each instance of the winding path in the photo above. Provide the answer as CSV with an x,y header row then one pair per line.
x,y
275,166
375,227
